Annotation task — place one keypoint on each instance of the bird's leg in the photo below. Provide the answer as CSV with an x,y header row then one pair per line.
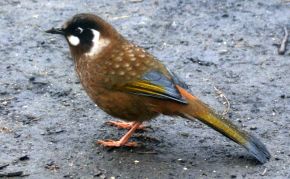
x,y
124,125
124,140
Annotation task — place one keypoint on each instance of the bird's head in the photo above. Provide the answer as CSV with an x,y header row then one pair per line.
x,y
87,34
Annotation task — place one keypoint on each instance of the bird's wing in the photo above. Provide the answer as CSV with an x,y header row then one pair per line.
x,y
156,85
178,81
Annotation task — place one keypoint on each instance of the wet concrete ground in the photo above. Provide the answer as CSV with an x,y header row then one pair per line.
x,y
48,125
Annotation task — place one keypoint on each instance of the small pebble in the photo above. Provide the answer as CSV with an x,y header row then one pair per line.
x,y
23,158
233,176
222,51
225,15
184,134
181,160
253,128
277,158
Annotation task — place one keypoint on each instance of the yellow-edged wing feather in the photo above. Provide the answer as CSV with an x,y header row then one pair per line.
x,y
154,84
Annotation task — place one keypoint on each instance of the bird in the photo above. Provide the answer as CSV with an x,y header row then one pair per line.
x,y
129,83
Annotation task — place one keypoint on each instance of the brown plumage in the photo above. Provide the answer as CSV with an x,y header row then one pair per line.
x,y
129,83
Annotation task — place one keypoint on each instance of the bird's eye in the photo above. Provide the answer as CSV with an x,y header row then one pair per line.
x,y
79,30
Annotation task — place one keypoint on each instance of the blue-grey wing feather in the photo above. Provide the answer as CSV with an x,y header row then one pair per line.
x,y
169,85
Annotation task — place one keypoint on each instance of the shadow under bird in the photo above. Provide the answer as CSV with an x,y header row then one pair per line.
x,y
129,83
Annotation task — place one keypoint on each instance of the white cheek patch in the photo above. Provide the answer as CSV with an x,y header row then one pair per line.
x,y
96,36
73,40
98,43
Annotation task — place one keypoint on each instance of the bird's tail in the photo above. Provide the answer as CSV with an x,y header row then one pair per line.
x,y
198,110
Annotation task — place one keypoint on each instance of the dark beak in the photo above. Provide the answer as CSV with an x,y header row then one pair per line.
x,y
56,31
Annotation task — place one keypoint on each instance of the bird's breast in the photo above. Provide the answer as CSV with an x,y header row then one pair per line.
x,y
91,75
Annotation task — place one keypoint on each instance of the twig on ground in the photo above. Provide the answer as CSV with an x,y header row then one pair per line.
x,y
149,152
264,172
2,166
13,174
120,17
222,95
282,48
135,1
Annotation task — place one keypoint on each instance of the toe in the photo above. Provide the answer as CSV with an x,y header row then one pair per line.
x,y
112,143
109,143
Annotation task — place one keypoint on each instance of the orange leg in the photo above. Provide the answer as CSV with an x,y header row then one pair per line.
x,y
124,140
124,125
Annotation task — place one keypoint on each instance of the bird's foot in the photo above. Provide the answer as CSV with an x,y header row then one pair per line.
x,y
124,140
112,143
124,125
